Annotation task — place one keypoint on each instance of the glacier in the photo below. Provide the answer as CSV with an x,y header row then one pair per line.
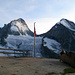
x,y
26,43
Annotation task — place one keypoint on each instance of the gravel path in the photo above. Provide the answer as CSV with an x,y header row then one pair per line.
x,y
30,66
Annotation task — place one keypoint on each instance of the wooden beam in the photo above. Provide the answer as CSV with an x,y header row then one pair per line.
x,y
14,49
14,53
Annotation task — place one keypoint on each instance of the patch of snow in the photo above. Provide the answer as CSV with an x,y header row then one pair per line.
x,y
2,46
13,23
52,45
14,28
55,26
3,55
21,26
58,22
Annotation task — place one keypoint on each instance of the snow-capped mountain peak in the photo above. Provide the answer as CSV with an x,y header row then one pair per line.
x,y
68,24
19,26
19,20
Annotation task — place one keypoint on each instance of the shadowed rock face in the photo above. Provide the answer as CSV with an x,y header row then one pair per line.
x,y
63,34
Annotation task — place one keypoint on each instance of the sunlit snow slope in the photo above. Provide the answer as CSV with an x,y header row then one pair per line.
x,y
52,45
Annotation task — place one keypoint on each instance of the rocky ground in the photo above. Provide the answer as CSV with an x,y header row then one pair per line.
x,y
31,66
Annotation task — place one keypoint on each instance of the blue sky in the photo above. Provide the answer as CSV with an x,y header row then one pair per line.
x,y
44,12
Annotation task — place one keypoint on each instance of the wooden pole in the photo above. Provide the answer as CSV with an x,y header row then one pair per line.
x,y
34,45
34,40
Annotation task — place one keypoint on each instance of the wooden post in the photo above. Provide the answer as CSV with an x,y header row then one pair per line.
x,y
34,39
14,52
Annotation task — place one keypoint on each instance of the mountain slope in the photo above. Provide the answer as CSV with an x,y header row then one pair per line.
x,y
15,27
64,33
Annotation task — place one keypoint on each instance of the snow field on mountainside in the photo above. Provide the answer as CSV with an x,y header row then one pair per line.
x,y
25,43
52,45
